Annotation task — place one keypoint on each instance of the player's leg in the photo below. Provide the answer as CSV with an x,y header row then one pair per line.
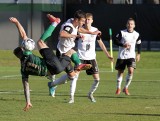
x,y
73,77
48,32
52,78
120,66
119,81
94,87
73,84
53,85
131,66
94,71
69,70
75,59
59,81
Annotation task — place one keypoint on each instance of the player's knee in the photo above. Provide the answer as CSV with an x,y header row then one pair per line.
x,y
59,69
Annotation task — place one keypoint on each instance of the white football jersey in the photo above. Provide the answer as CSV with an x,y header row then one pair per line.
x,y
86,47
65,44
131,38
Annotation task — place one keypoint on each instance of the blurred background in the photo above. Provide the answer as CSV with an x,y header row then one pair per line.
x,y
107,14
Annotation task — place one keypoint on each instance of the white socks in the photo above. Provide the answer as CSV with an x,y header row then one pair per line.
x,y
73,85
54,24
94,86
63,79
119,82
128,80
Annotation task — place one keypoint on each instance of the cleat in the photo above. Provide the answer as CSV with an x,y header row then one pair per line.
x,y
90,96
125,90
52,92
52,79
53,19
71,101
51,89
118,91
83,67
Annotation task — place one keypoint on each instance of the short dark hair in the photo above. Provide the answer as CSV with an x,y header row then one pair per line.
x,y
79,14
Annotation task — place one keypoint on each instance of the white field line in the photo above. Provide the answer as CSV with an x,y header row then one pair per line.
x,y
9,76
101,71
14,91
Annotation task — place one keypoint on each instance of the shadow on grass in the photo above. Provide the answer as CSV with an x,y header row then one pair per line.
x,y
131,97
134,114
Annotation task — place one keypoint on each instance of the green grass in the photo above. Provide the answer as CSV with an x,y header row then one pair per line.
x,y
142,105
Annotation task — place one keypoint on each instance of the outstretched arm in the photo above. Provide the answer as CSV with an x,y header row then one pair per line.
x,y
27,94
85,31
103,47
19,27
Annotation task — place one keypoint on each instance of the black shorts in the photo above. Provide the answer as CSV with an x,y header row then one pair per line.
x,y
65,61
122,63
94,69
53,64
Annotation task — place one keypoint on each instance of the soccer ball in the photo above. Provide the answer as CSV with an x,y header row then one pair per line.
x,y
28,44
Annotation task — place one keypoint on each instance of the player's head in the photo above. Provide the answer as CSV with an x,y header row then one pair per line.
x,y
89,18
130,24
18,52
80,17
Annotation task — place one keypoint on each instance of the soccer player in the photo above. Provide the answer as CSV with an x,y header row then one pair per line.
x,y
68,35
127,40
34,65
87,53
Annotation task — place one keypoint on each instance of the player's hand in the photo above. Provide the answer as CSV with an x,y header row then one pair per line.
x,y
81,36
27,107
97,33
127,45
111,58
13,19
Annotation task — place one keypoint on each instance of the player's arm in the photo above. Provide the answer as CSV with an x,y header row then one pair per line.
x,y
138,49
85,31
103,47
117,41
26,94
66,32
19,27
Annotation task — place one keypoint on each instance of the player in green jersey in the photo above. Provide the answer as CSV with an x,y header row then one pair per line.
x,y
35,65
48,65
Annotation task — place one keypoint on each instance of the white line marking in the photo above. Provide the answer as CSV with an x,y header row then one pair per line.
x,y
10,76
15,91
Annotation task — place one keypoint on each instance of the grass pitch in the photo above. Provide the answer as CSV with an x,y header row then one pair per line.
x,y
142,105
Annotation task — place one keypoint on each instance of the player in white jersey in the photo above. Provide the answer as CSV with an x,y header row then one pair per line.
x,y
87,54
68,34
127,40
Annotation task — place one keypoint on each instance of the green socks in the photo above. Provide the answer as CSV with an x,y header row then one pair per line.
x,y
75,59
47,33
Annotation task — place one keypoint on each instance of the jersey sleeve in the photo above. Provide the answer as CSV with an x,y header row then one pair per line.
x,y
117,39
139,44
139,40
98,37
68,29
